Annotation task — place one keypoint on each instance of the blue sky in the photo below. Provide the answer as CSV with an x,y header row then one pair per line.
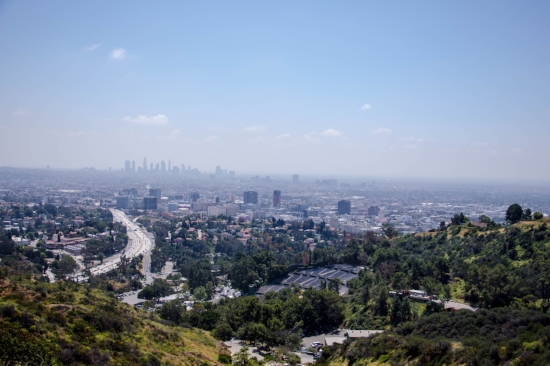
x,y
425,89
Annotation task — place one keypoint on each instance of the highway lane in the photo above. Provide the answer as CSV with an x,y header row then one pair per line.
x,y
139,242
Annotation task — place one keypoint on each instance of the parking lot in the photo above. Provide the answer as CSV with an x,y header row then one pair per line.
x,y
235,345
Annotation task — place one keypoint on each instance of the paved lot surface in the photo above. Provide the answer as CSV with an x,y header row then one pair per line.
x,y
235,346
458,305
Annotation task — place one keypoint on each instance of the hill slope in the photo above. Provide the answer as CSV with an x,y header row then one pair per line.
x,y
486,337
70,323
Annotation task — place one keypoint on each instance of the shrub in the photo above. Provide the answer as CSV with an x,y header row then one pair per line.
x,y
224,358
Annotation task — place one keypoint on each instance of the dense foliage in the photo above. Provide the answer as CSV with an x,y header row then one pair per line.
x,y
486,337
279,320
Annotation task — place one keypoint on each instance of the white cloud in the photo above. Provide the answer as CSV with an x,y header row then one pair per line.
x,y
366,107
309,138
283,136
175,132
211,139
93,47
157,120
119,54
19,112
381,130
331,132
254,128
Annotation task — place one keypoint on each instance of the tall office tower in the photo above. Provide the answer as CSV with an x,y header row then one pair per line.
x,y
127,165
157,167
182,168
344,207
144,164
276,198
155,192
296,179
218,170
251,197
373,211
195,196
149,203
162,166
122,202
151,167
169,166
133,165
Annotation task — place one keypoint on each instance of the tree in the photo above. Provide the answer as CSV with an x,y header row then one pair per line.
x,y
200,293
159,288
382,301
400,281
514,213
172,310
458,219
334,285
400,310
538,216
432,286
65,267
389,231
223,332
446,293
209,289
241,358
6,244
294,359
527,214
484,218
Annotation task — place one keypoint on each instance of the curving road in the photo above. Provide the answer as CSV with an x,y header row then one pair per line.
x,y
139,242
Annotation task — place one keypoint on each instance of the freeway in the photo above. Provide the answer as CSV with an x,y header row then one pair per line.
x,y
139,242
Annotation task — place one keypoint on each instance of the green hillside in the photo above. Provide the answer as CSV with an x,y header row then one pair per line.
x,y
503,271
69,323
486,337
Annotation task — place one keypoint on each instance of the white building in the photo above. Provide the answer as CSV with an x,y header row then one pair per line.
x,y
217,210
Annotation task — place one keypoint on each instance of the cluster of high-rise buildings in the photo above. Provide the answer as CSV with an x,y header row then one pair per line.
x,y
161,167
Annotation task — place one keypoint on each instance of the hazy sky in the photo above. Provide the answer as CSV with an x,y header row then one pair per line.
x,y
410,88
